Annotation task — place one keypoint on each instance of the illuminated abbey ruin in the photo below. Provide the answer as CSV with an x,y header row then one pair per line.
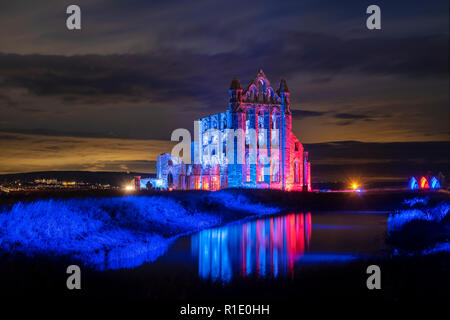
x,y
250,145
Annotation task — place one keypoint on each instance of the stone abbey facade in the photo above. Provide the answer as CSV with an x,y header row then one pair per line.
x,y
250,145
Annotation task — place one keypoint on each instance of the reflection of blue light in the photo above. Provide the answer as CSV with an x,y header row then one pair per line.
x,y
416,200
262,260
262,250
358,190
328,257
214,260
225,258
248,259
275,262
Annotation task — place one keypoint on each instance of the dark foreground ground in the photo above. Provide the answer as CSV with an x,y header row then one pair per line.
x,y
407,283
405,278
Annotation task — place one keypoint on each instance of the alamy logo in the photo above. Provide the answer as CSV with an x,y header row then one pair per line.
x,y
73,21
374,20
374,280
74,280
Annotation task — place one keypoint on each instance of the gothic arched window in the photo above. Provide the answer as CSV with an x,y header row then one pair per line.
x,y
261,119
296,173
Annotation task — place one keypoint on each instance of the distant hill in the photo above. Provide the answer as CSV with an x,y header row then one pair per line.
x,y
112,178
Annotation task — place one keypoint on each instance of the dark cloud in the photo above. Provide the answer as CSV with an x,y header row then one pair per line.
x,y
140,69
301,114
144,77
342,161
398,151
163,76
60,133
7,102
415,56
344,123
352,116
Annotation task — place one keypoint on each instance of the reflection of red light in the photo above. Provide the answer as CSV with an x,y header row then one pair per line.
x,y
424,183
308,228
273,247
301,234
292,236
309,176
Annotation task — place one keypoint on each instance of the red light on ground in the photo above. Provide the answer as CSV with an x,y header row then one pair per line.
x,y
424,183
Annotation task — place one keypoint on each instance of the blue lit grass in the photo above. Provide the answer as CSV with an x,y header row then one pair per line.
x,y
117,232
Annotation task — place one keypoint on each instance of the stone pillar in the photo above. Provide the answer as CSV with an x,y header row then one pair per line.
x,y
309,176
306,171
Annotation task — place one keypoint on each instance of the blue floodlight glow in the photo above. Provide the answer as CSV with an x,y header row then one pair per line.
x,y
106,233
413,184
114,232
435,183
397,220
158,183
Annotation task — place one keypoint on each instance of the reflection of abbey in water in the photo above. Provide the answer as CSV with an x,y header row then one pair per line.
x,y
279,162
265,247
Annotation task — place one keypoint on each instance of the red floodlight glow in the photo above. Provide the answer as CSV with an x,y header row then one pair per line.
x,y
424,183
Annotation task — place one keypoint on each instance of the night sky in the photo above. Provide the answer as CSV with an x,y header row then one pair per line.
x,y
109,96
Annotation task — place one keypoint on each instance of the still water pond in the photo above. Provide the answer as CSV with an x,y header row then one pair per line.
x,y
273,246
